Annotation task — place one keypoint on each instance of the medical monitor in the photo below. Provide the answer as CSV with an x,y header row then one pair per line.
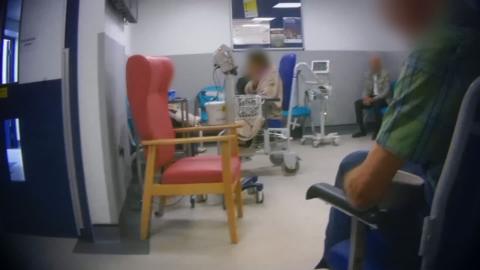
x,y
321,66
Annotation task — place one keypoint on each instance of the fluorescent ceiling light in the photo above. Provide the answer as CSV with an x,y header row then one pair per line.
x,y
288,5
264,19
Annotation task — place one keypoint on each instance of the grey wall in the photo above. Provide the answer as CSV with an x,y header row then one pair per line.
x,y
176,27
345,31
348,25
348,68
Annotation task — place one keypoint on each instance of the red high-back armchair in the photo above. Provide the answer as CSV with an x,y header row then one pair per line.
x,y
148,81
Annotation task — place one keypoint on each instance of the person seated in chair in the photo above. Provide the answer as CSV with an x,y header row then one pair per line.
x,y
265,81
377,95
418,127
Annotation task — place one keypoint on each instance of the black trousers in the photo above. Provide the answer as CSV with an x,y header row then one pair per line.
x,y
377,107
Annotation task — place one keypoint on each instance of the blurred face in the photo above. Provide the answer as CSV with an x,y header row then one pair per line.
x,y
376,65
412,17
255,71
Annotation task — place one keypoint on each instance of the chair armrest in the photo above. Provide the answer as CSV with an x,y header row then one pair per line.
x,y
338,199
225,138
207,128
406,189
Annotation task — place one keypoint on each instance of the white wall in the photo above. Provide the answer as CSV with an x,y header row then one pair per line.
x,y
347,25
173,27
177,27
91,23
95,18
115,27
113,110
42,40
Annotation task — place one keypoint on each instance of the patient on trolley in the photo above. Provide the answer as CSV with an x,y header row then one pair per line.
x,y
263,80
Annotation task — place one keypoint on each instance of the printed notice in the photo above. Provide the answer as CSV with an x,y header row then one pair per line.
x,y
247,33
293,29
251,8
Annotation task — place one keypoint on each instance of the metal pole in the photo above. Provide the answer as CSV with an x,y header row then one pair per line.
x,y
230,97
357,245
68,137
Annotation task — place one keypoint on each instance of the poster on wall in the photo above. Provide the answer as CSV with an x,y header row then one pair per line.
x,y
277,37
266,24
251,8
292,29
246,33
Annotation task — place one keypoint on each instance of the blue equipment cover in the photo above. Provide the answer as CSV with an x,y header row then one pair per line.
x,y
299,111
206,95
286,70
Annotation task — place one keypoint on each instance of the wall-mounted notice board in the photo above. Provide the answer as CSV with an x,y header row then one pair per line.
x,y
270,24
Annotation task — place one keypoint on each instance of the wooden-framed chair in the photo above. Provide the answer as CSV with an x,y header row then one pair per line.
x,y
148,81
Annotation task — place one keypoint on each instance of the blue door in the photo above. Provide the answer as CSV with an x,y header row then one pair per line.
x,y
36,197
41,175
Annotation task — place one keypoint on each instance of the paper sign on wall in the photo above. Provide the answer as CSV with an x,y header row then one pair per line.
x,y
251,8
247,33
293,29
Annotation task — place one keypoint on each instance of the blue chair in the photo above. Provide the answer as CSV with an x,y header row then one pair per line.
x,y
286,70
451,235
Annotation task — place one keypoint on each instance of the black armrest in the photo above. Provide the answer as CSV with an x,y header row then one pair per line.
x,y
405,191
338,199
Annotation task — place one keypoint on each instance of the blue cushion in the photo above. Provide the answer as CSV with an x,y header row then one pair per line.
x,y
298,111
208,94
375,259
275,123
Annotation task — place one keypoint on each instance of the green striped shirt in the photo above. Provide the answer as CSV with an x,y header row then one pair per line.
x,y
420,121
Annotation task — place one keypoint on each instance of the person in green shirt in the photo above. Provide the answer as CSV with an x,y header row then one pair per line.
x,y
417,129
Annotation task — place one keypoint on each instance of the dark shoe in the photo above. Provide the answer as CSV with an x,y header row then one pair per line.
x,y
374,136
322,265
359,134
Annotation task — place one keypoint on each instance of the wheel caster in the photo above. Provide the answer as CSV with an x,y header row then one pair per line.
x,y
159,214
336,141
291,171
303,141
259,197
276,159
316,144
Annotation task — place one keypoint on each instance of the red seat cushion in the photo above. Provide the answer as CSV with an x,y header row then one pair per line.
x,y
198,170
